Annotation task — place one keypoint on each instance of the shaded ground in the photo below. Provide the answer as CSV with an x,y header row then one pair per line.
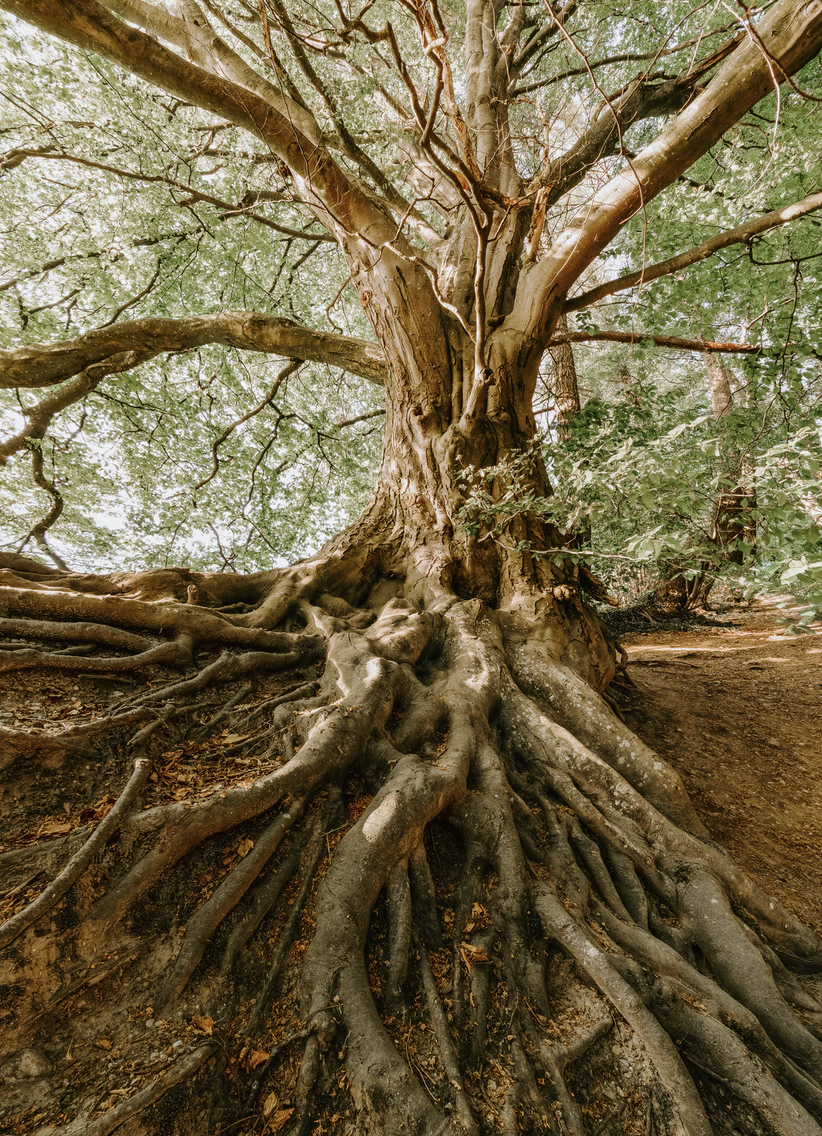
x,y
738,711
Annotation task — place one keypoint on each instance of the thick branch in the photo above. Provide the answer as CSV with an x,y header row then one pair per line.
x,y
792,31
40,365
340,201
642,100
39,416
699,252
210,51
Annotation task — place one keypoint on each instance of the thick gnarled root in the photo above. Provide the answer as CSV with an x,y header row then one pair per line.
x,y
437,889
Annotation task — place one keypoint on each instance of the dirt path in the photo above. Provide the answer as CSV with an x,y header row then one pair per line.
x,y
738,711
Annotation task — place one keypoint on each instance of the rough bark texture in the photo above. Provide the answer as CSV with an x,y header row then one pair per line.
x,y
381,858
731,521
566,387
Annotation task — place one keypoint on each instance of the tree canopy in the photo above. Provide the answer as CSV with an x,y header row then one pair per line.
x,y
122,202
304,280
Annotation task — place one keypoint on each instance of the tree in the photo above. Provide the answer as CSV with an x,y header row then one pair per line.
x,y
522,887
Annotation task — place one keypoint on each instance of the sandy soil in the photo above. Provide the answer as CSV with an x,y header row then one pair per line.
x,y
738,712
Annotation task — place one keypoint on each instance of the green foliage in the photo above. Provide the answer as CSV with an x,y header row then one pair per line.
x,y
639,473
82,244
122,201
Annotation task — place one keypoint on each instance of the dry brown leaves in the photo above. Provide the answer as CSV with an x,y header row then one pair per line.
x,y
276,1116
473,956
279,1120
479,920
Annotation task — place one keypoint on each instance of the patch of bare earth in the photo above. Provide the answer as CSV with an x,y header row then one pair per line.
x,y
738,711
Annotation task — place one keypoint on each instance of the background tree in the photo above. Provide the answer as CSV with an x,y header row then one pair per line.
x,y
506,871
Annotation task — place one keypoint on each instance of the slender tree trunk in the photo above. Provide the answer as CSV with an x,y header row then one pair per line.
x,y
731,521
566,388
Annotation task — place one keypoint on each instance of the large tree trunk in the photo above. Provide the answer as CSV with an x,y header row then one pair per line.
x,y
380,858
520,922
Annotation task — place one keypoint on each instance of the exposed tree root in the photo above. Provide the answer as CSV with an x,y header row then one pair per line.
x,y
180,1071
453,876
80,860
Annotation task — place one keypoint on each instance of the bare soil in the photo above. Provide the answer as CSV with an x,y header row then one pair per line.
x,y
738,711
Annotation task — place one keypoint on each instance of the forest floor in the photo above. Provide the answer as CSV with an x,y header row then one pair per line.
x,y
737,710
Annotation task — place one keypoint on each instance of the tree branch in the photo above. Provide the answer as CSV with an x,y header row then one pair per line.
x,y
642,100
735,236
42,365
793,32
702,345
230,209
624,57
339,200
207,49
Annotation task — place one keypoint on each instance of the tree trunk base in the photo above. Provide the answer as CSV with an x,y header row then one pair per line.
x,y
357,855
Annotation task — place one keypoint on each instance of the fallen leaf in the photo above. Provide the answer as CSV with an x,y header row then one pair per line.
x,y
256,1058
230,739
473,956
270,1103
205,1025
103,1043
280,1119
55,827
244,847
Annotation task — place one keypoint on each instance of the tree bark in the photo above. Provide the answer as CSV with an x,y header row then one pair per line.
x,y
566,388
427,851
731,522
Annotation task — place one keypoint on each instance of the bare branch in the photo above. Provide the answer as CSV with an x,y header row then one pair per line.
x,y
230,209
624,57
699,252
271,394
42,365
604,138
38,531
701,345
39,416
